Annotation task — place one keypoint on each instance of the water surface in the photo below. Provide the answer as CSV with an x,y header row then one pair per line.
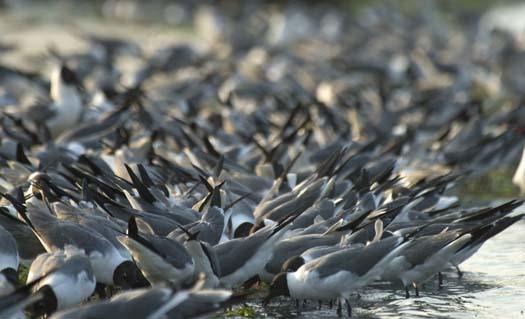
x,y
492,286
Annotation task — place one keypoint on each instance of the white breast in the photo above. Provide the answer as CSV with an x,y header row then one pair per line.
x,y
9,261
104,265
67,104
70,290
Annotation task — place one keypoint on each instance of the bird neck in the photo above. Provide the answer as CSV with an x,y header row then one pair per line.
x,y
66,96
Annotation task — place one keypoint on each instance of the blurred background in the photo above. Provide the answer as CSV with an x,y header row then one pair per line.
x,y
309,29
33,25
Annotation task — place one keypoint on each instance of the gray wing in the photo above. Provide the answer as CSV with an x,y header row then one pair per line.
x,y
162,225
134,304
77,264
94,131
200,303
102,310
108,309
234,253
305,199
172,251
355,260
295,246
39,112
28,244
214,215
424,247
325,209
212,257
57,234
209,233
8,246
65,265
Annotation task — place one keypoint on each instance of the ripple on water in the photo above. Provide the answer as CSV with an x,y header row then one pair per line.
x,y
493,286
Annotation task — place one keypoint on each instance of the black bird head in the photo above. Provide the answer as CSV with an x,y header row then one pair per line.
x,y
127,275
292,264
69,77
11,275
243,230
46,305
278,287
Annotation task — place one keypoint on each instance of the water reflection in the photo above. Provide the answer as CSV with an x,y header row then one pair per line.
x,y
384,300
493,285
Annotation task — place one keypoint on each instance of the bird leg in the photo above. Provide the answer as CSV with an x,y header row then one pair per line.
x,y
298,306
320,304
339,308
348,308
416,289
331,304
407,293
440,280
100,289
460,273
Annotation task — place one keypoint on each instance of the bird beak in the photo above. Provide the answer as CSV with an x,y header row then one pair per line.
x,y
266,300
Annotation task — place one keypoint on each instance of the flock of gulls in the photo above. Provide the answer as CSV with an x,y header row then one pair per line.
x,y
317,164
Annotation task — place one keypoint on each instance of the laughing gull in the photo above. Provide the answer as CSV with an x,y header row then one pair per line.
x,y
480,236
294,246
339,274
109,266
160,259
65,108
243,258
303,197
66,98
162,225
324,209
13,303
72,282
205,260
27,243
424,257
106,226
154,303
201,303
209,229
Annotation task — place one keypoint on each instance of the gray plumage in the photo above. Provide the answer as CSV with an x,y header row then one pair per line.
x,y
295,246
423,248
56,234
209,229
233,254
134,304
8,250
27,243
357,261
160,259
69,263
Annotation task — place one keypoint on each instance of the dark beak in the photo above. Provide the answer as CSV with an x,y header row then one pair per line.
x,y
266,300
140,281
250,283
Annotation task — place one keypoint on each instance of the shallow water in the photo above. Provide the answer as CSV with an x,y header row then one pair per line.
x,y
493,286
